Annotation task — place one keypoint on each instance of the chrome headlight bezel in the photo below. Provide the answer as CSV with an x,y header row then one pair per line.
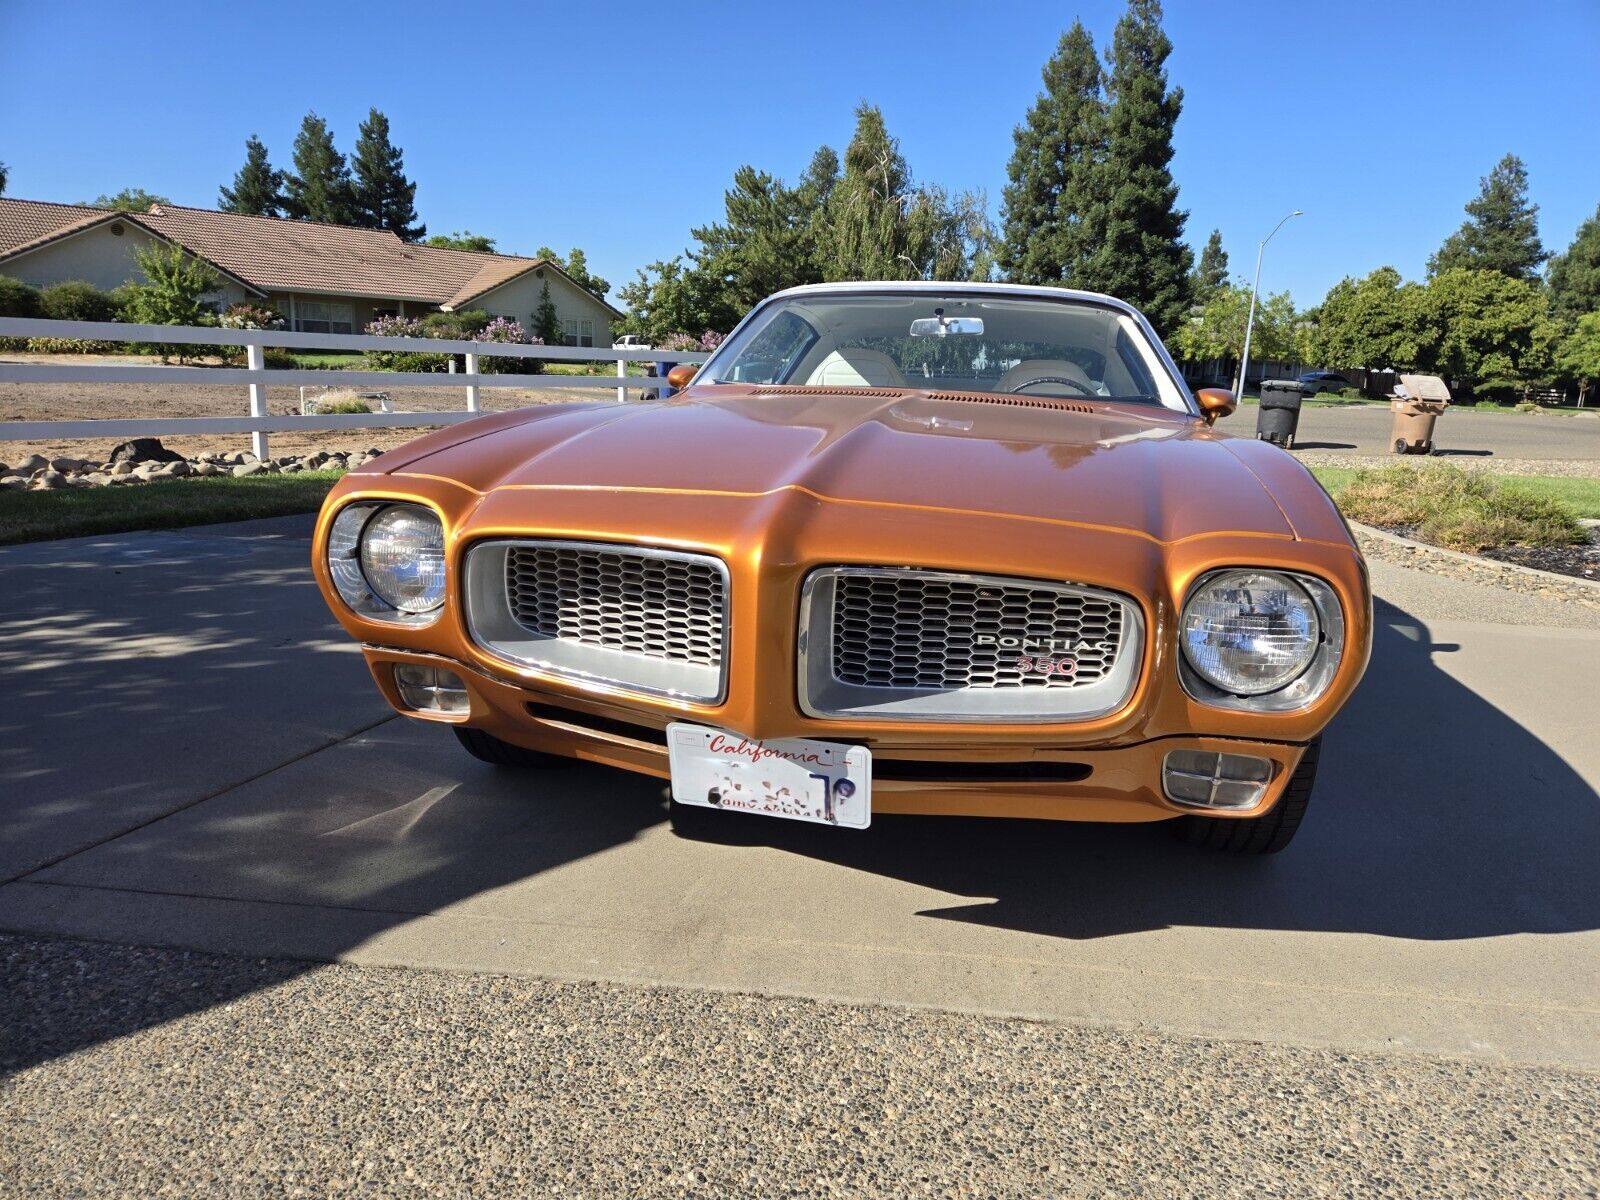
x,y
349,570
1313,679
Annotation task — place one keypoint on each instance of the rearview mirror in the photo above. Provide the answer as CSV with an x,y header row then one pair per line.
x,y
1214,403
945,326
682,375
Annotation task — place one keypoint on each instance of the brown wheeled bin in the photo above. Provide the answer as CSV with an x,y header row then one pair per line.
x,y
1418,401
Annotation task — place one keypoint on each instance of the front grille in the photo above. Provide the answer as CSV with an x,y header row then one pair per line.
x,y
632,616
937,645
669,608
924,631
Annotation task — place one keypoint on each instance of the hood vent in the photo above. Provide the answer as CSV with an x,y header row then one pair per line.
x,y
780,390
1013,401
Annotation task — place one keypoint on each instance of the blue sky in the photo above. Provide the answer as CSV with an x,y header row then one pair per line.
x,y
617,126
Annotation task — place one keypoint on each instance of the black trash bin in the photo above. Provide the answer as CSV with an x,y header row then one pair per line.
x,y
1280,411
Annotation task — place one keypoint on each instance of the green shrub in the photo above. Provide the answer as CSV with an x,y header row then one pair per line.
x,y
454,326
75,300
18,299
276,358
1464,510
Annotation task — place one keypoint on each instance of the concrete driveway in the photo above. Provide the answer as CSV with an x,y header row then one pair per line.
x,y
192,755
1462,435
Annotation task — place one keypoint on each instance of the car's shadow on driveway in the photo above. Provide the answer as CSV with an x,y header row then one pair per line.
x,y
1436,816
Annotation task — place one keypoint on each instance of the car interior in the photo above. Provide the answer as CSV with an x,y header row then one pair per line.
x,y
996,344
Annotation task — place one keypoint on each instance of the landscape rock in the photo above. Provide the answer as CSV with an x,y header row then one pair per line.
x,y
144,450
49,481
34,462
66,465
249,468
122,468
98,478
207,468
13,483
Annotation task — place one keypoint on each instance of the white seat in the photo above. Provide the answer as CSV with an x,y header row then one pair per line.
x,y
1045,368
856,366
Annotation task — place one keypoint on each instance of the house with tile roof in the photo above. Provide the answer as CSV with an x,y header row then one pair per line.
x,y
322,278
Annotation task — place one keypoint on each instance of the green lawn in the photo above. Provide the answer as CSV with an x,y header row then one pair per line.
x,y
167,504
326,360
1581,497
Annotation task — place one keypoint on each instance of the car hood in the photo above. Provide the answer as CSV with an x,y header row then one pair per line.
x,y
1142,469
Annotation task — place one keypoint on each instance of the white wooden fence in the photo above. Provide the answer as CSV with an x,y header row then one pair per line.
x,y
255,378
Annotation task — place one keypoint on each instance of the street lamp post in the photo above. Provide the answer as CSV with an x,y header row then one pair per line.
x,y
1250,321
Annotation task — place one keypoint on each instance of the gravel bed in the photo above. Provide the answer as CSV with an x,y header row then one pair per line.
x,y
1577,468
161,1072
1525,578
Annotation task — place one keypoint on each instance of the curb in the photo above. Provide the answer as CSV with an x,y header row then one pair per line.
x,y
1392,547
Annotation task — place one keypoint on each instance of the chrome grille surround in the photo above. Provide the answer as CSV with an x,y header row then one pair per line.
x,y
923,645
632,617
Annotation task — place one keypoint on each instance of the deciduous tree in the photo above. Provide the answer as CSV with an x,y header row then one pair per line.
x,y
1049,227
1372,323
1501,232
383,198
1217,330
1580,353
1575,276
134,200
319,188
257,189
461,240
1493,331
577,266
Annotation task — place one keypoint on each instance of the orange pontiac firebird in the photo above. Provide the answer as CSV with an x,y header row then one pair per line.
x,y
961,549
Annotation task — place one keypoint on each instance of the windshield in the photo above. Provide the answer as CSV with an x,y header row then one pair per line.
x,y
1025,346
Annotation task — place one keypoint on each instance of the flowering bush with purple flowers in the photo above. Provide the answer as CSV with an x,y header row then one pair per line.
x,y
505,330
710,340
401,360
678,341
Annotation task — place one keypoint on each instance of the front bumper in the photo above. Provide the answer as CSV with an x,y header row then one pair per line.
x,y
987,778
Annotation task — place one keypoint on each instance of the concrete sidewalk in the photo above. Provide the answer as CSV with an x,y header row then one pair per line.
x,y
1440,897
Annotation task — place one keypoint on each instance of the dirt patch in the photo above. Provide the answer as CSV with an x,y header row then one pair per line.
x,y
95,401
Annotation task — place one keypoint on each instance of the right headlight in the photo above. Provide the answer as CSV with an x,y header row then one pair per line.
x,y
1268,641
387,561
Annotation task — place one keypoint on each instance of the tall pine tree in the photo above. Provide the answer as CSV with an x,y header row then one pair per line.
x,y
257,189
1141,256
1211,276
1575,275
384,198
1049,225
1501,232
319,187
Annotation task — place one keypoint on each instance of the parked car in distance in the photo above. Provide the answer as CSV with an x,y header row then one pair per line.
x,y
632,341
1314,383
939,548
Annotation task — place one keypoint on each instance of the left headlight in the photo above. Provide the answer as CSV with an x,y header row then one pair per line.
x,y
387,561
1260,640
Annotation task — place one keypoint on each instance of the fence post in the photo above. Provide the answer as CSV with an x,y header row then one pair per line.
x,y
622,373
472,388
255,358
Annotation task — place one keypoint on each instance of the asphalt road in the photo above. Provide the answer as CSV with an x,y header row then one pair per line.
x,y
1462,435
191,756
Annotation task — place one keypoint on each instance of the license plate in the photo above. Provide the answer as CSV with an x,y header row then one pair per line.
x,y
797,778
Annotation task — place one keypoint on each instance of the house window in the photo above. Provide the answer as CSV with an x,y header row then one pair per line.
x,y
313,316
577,333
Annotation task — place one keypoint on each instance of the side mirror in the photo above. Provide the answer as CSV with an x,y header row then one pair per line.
x,y
682,375
1214,403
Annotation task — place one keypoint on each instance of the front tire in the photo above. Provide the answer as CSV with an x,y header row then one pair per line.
x,y
1266,834
485,747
